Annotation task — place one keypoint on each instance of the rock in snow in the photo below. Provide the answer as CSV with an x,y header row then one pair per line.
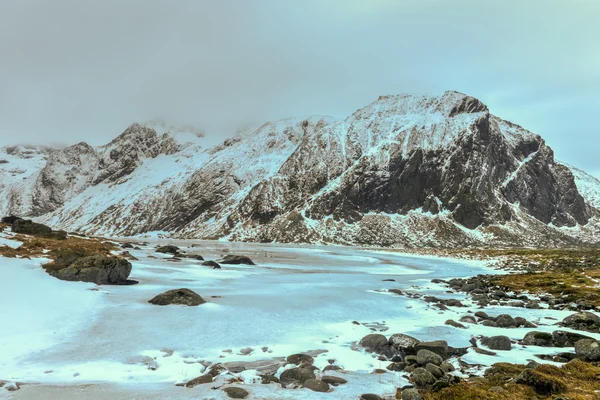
x,y
184,297
98,269
405,170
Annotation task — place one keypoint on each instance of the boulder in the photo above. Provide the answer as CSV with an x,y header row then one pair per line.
x,y
316,385
482,315
422,378
447,367
403,343
212,264
396,366
425,357
99,269
497,342
236,392
333,380
566,339
439,347
183,296
505,321
233,259
408,360
455,324
411,394
374,342
296,375
28,227
468,319
435,370
168,249
585,321
300,359
536,338
370,396
589,348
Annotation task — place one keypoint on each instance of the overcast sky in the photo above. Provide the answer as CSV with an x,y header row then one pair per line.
x,y
78,70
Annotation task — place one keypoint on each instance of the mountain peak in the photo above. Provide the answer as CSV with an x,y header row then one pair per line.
x,y
449,104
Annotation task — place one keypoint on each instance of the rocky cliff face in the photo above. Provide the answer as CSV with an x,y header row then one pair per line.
x,y
405,170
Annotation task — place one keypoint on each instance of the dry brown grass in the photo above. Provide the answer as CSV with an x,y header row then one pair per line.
x,y
34,246
576,380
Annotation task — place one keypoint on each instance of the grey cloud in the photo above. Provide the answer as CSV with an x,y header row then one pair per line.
x,y
84,70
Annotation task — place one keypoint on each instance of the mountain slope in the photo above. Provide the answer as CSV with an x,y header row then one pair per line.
x,y
405,170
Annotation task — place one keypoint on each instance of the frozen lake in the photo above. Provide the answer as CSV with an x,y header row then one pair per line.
x,y
296,299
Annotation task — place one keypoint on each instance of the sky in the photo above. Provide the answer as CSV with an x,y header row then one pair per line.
x,y
75,70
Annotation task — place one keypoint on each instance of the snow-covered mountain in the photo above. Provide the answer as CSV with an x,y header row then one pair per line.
x,y
405,170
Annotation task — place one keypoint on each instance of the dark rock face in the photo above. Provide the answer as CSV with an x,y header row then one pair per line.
x,y
125,153
487,158
101,270
184,297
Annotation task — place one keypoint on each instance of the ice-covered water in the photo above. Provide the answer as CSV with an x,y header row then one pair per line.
x,y
296,299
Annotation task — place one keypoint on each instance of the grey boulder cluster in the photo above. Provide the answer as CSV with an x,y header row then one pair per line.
x,y
426,363
300,373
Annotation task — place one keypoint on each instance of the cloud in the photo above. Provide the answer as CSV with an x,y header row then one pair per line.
x,y
74,71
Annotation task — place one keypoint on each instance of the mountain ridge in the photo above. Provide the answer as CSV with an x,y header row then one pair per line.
x,y
405,170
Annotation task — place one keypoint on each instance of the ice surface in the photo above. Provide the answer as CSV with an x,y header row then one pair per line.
x,y
296,299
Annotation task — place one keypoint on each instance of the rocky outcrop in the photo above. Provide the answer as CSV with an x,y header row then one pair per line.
x,y
101,270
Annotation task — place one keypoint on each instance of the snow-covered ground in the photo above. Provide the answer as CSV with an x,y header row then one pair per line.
x,y
296,299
